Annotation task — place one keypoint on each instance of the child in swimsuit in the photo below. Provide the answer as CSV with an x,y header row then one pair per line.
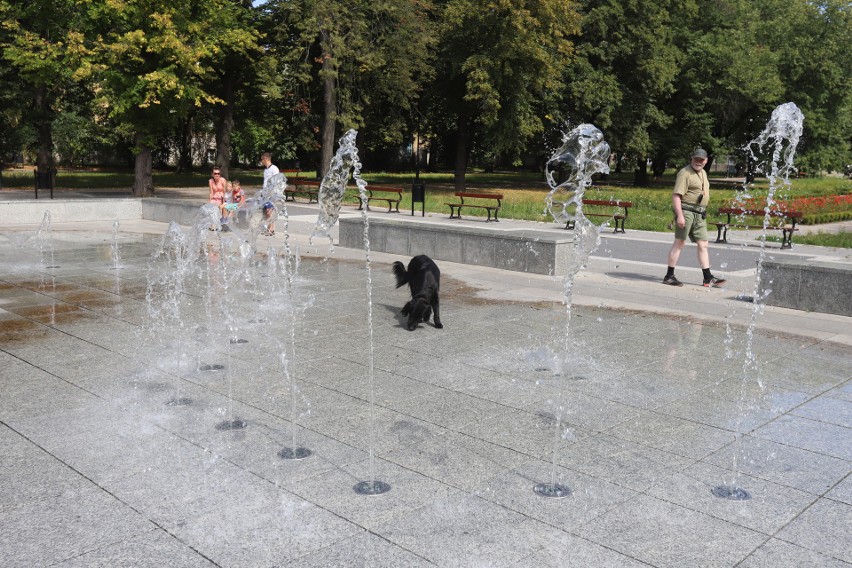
x,y
236,197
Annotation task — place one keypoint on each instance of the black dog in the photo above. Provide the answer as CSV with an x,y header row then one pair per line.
x,y
424,280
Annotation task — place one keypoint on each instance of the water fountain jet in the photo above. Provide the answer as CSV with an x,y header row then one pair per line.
x,y
345,163
782,133
586,153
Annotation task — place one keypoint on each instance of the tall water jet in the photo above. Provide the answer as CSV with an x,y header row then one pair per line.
x,y
333,185
114,250
164,300
44,236
227,277
172,266
584,153
773,151
291,268
331,192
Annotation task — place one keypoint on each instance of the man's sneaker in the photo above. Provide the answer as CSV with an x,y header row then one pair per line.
x,y
672,281
714,282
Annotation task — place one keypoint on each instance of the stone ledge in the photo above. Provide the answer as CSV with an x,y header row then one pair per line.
x,y
822,287
182,212
520,250
31,211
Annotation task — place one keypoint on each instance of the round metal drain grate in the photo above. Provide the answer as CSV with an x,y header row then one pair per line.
x,y
371,487
235,424
732,493
294,454
552,490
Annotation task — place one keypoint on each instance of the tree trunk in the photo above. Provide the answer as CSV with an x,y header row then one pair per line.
x,y
185,158
462,142
658,166
224,127
44,127
329,101
640,174
143,181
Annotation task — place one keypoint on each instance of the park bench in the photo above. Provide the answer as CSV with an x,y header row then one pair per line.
x,y
620,216
455,208
393,197
738,214
302,187
295,172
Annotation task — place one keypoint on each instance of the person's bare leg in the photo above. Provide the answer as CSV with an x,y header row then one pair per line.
x,y
703,254
674,252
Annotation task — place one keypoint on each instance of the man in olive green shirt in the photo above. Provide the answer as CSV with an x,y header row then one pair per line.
x,y
689,202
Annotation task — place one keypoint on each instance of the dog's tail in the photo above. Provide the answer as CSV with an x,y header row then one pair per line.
x,y
401,274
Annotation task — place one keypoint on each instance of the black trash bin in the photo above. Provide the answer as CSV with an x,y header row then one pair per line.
x,y
418,195
44,180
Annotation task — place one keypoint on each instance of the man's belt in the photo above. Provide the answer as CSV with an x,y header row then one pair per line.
x,y
694,208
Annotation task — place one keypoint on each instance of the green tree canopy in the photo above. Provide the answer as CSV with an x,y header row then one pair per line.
x,y
497,61
357,62
147,62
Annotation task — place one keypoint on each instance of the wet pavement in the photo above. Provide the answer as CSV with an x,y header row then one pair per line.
x,y
114,452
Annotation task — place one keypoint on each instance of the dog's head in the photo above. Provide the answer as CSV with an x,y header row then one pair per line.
x,y
419,307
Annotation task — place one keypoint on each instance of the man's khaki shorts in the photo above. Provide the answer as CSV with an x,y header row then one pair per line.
x,y
695,227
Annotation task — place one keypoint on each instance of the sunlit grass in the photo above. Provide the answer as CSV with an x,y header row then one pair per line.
x,y
838,240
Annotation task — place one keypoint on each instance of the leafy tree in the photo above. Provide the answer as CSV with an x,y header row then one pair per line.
x,y
236,72
814,61
497,61
627,68
730,78
37,40
356,60
147,63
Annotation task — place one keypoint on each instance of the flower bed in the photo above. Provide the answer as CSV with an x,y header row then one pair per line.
x,y
814,210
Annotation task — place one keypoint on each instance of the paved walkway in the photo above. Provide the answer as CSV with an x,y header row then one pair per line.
x,y
641,407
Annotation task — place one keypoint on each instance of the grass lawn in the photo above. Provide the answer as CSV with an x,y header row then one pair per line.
x,y
837,240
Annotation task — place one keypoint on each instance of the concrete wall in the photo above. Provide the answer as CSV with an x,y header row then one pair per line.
x,y
167,210
520,250
31,211
813,286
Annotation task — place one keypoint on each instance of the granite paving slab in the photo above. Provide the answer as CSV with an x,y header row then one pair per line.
x,y
590,497
779,553
569,551
820,437
769,509
780,463
465,530
154,548
664,534
825,528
